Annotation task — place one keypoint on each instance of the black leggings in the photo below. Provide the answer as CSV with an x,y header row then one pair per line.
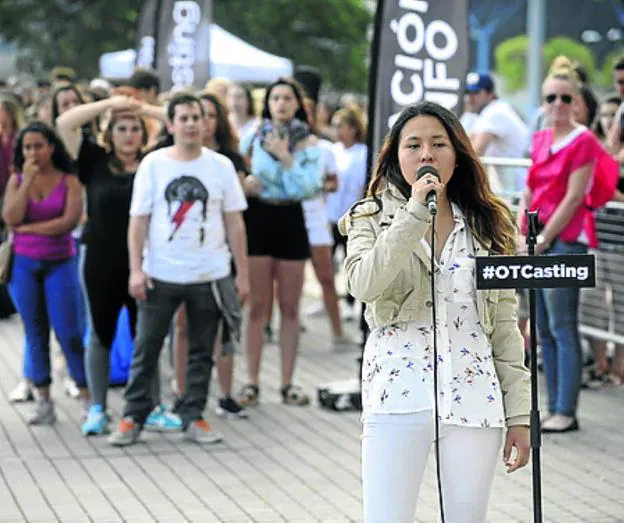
x,y
107,292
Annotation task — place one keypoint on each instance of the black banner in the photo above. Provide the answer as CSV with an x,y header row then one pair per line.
x,y
148,33
420,52
174,40
536,272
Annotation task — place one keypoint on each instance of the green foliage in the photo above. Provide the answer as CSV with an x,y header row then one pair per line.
x,y
575,51
605,75
329,34
510,58
68,32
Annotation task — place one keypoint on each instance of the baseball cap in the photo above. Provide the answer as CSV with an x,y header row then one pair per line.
x,y
477,81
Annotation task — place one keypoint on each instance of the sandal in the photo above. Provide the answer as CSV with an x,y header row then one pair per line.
x,y
294,395
610,380
249,395
593,377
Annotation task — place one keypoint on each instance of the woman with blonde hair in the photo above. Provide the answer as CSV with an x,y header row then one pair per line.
x,y
219,87
563,157
320,235
350,154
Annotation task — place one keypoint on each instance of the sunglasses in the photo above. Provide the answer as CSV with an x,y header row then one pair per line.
x,y
565,98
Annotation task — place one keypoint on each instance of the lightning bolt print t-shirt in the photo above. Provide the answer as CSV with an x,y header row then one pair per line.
x,y
186,201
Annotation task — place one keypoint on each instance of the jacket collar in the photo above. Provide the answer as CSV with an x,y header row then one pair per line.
x,y
392,200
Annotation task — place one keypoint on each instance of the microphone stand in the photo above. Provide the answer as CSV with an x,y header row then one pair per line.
x,y
436,426
536,433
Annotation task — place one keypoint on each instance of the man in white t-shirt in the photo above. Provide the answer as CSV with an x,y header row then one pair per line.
x,y
498,131
186,215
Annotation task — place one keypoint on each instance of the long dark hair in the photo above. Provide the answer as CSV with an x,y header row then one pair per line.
x,y
250,104
589,98
488,217
224,135
60,89
612,99
297,89
89,129
60,157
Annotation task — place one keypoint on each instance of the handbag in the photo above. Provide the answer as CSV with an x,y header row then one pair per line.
x,y
6,259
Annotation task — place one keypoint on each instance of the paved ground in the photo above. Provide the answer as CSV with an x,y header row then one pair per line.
x,y
283,464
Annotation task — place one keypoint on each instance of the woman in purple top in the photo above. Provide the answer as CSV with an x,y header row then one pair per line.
x,y
43,204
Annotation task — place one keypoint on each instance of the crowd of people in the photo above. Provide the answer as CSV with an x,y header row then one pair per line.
x,y
444,365
173,210
187,210
573,140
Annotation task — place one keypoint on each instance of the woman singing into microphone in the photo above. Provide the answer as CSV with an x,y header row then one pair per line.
x,y
483,385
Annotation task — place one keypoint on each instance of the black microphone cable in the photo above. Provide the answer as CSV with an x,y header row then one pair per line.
x,y
436,426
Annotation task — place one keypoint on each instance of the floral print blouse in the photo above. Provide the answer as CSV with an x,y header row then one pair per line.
x,y
397,374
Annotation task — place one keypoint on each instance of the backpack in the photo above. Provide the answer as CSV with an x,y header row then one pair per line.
x,y
121,351
604,179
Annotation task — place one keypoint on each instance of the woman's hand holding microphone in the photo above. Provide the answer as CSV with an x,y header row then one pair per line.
x,y
424,185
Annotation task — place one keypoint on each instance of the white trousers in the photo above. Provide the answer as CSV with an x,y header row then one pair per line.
x,y
395,449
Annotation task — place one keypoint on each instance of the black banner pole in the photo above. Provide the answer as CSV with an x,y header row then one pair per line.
x,y
536,433
372,88
157,33
370,141
534,272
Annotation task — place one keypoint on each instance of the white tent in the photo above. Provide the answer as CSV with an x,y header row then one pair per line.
x,y
230,57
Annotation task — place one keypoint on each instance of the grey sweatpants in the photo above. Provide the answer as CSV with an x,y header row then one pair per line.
x,y
154,318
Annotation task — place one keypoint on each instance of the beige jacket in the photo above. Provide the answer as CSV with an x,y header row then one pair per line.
x,y
387,269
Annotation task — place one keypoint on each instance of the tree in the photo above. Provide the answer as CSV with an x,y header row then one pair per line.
x,y
329,34
605,78
68,32
511,58
576,52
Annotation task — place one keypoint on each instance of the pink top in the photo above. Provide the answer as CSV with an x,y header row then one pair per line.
x,y
549,175
39,246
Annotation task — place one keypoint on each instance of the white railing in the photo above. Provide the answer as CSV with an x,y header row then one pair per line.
x,y
610,227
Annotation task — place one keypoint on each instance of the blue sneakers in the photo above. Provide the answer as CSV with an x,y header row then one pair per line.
x,y
96,423
163,420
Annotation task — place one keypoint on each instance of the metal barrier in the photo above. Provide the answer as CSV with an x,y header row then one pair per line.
x,y
602,308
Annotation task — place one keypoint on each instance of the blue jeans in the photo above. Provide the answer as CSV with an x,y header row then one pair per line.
x,y
47,293
558,332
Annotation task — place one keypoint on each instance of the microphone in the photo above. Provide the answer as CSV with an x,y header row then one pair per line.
x,y
432,197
